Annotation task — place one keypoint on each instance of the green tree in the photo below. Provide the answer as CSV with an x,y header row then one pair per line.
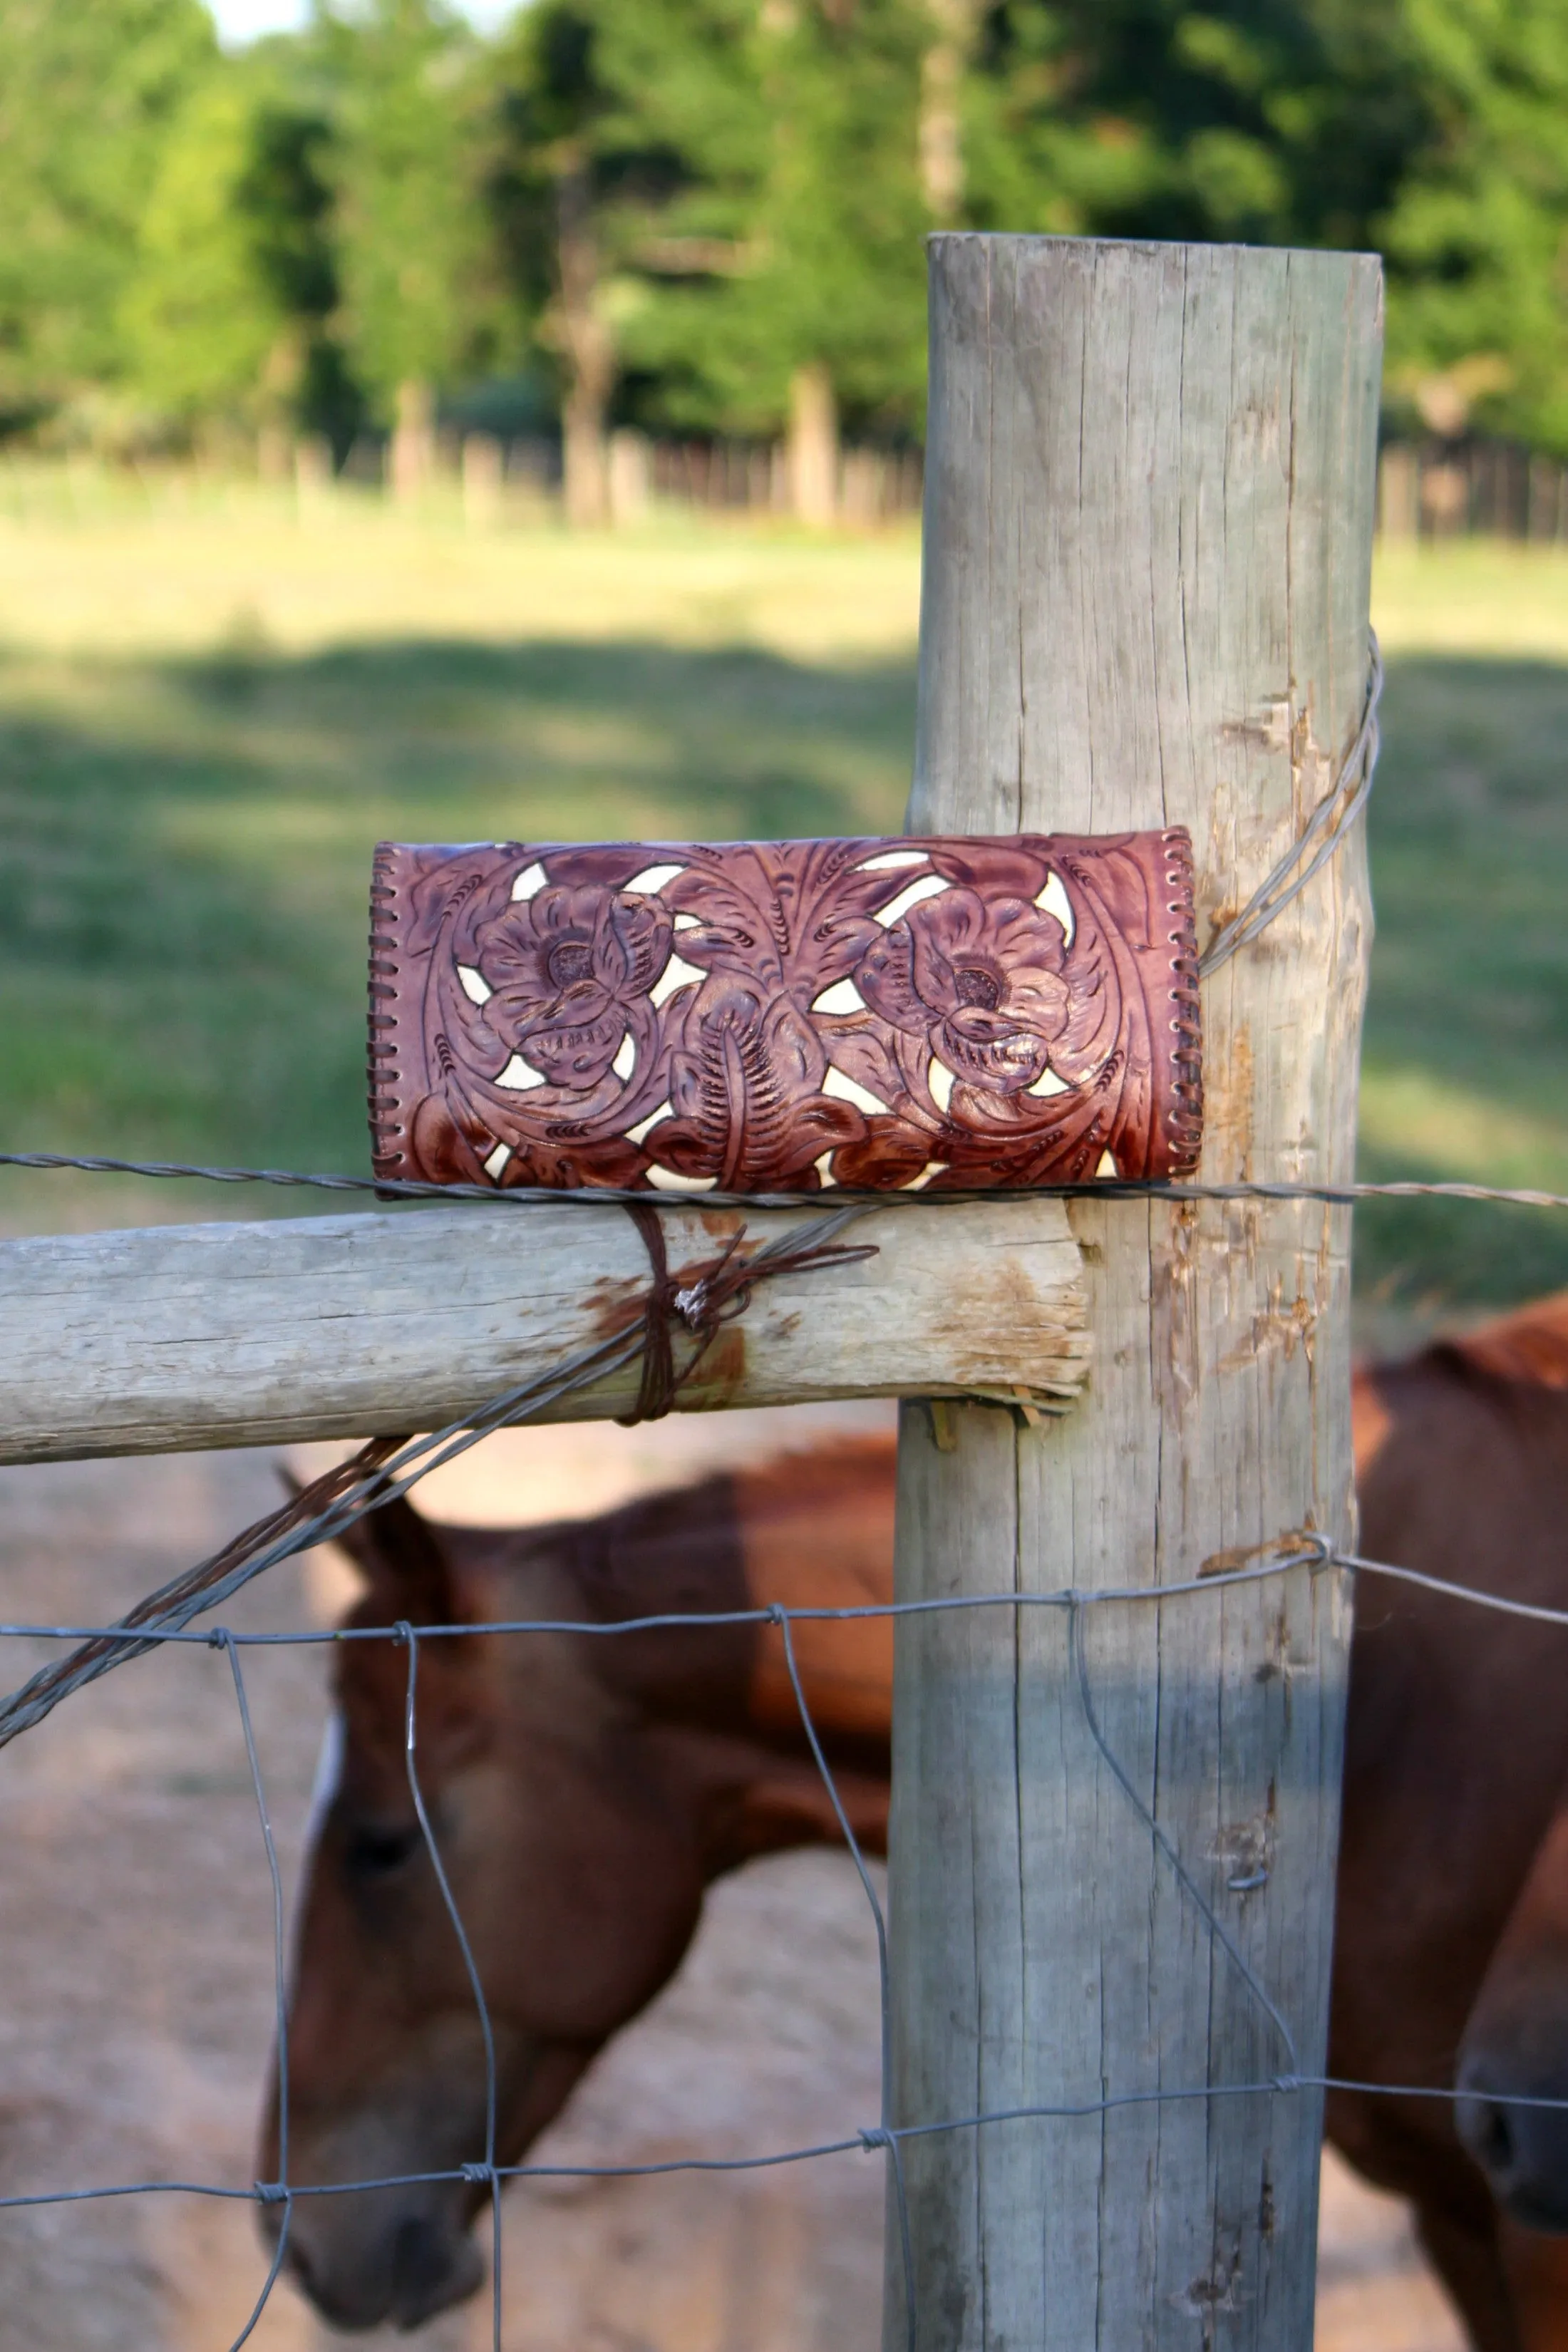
x,y
1268,121
201,319
411,236
830,318
1435,131
716,205
625,164
1477,234
285,195
87,89
227,317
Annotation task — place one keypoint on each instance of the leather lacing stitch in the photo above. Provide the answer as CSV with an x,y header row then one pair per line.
x,y
381,1073
1185,1115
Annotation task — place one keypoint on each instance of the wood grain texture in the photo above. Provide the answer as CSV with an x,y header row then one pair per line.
x,y
1149,505
345,1326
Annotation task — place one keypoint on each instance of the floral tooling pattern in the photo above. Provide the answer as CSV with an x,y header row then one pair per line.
x,y
786,1016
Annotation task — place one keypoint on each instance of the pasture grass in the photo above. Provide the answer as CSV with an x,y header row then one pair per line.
x,y
211,705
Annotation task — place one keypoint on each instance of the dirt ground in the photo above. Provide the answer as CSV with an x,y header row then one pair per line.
x,y
135,1956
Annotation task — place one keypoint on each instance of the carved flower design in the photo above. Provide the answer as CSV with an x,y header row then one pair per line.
x,y
981,981
570,971
747,1017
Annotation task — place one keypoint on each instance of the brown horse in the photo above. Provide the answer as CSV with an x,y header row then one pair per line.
x,y
585,1790
1451,1938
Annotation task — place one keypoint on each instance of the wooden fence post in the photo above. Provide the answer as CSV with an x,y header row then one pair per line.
x,y
1149,511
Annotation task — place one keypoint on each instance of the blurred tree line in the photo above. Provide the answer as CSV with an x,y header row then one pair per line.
x,y
704,216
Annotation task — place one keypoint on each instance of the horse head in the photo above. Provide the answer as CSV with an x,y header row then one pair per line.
x,y
574,1867
582,1789
1515,2050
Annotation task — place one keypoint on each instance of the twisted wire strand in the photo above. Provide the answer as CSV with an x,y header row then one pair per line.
x,y
218,1579
154,1624
1290,1553
1319,837
883,2136
389,1467
1283,1555
599,1196
1297,1550
865,2141
1217,1931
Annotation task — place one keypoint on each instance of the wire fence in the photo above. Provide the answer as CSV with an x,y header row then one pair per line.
x,y
389,1468
1293,1553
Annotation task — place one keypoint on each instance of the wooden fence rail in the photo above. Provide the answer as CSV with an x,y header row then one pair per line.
x,y
181,1337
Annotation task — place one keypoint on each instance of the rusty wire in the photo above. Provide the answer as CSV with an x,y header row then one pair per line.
x,y
375,1476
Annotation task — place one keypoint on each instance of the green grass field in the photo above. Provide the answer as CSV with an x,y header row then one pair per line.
x,y
209,712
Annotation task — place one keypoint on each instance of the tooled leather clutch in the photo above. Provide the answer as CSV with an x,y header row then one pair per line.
x,y
786,1016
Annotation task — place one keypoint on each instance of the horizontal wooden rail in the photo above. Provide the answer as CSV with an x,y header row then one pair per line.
x,y
181,1336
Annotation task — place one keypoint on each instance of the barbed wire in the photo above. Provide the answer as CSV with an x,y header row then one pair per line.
x,y
600,1196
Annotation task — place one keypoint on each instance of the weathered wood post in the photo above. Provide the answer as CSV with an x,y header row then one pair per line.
x,y
1149,509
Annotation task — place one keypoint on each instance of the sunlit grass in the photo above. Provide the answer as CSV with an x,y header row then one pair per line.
x,y
1466,1064
1472,596
106,570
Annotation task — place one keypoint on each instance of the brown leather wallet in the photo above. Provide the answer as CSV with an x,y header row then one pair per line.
x,y
786,1015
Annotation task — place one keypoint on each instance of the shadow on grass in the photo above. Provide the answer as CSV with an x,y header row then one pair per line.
x,y
1467,1035
733,741
185,849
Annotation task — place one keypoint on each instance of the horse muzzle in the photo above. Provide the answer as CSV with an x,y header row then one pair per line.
x,y
1520,2146
379,2257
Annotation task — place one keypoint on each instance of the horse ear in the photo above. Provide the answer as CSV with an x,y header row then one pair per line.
x,y
408,1569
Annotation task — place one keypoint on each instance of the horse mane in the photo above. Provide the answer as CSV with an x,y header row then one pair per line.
x,y
1528,1346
